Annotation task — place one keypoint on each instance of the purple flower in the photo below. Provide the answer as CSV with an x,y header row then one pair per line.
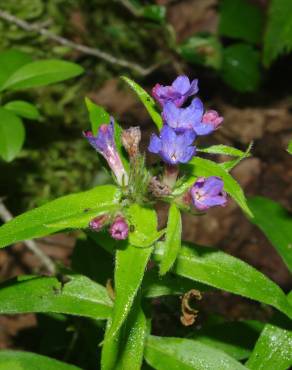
x,y
208,192
209,123
104,143
177,93
182,119
173,147
119,229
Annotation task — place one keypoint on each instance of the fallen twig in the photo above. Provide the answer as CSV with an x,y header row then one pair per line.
x,y
40,29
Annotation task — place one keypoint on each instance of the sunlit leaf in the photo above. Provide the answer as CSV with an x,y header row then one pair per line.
x,y
97,115
222,149
71,211
172,239
272,351
79,296
184,354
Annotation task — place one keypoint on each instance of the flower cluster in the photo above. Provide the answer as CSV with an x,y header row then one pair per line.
x,y
174,144
181,126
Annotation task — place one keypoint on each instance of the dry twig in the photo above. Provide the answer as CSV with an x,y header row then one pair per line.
x,y
46,261
40,29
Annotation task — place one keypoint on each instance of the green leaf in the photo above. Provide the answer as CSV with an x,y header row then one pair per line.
x,y
97,115
12,135
241,67
204,49
173,239
71,211
229,165
184,354
147,100
79,296
205,168
23,109
125,351
289,149
156,13
143,222
18,360
11,61
41,73
129,271
276,223
222,271
240,19
278,34
222,149
272,351
234,338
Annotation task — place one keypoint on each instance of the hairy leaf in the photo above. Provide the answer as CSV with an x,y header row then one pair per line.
x,y
129,271
77,296
276,223
71,211
222,271
173,239
272,351
18,360
185,354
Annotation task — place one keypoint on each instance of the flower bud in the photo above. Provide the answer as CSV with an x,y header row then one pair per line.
x,y
131,139
119,229
97,223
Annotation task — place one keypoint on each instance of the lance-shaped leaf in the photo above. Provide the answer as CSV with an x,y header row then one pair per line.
x,y
273,350
12,135
143,221
18,360
205,168
78,296
172,240
23,109
41,73
222,149
185,354
276,223
147,100
229,165
71,211
97,115
125,350
222,271
129,271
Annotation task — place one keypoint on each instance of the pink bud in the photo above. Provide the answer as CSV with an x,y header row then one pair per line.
x,y
97,223
119,229
212,117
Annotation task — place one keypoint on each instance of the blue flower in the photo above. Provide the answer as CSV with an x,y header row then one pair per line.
x,y
173,147
208,192
104,143
182,119
177,93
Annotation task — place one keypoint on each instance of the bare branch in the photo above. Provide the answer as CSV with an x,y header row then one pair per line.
x,y
46,261
38,28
